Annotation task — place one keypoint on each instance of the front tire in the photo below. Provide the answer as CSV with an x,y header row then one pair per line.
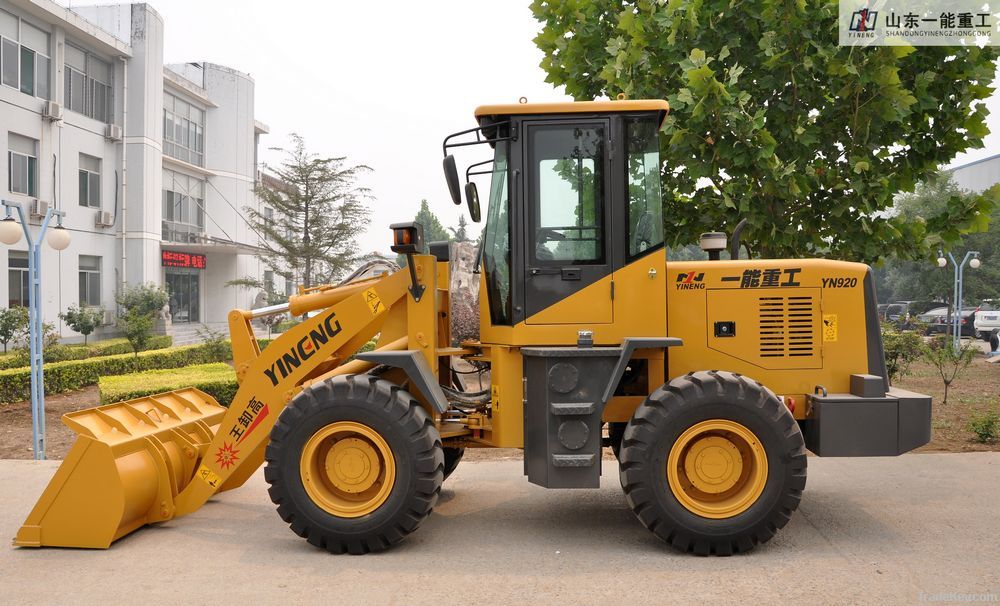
x,y
355,464
713,463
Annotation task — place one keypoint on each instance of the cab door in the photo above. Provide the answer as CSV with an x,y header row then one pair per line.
x,y
568,272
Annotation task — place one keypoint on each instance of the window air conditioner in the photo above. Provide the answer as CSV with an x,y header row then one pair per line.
x,y
40,207
52,111
112,132
104,218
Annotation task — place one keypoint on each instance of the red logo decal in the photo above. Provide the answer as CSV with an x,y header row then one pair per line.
x,y
226,456
256,421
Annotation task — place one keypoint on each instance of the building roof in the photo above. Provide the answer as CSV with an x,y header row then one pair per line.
x,y
575,107
973,163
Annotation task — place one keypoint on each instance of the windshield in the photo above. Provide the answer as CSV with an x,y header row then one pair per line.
x,y
496,241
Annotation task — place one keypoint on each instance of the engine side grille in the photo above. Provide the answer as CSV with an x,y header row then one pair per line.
x,y
787,327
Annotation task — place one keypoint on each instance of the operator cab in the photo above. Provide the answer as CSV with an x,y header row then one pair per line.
x,y
574,199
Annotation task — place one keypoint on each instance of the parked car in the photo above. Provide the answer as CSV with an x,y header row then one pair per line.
x,y
903,313
987,322
934,319
881,311
943,323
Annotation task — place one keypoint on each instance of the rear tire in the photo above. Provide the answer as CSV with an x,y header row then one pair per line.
x,y
734,513
355,464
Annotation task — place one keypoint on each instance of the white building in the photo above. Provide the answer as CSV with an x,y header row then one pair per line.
x,y
979,175
153,164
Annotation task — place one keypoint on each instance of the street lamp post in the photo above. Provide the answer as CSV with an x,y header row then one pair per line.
x,y
58,238
972,258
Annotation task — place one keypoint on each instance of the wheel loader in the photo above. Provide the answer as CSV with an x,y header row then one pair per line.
x,y
709,379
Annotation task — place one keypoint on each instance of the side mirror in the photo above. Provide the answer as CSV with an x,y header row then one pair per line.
x,y
472,198
451,176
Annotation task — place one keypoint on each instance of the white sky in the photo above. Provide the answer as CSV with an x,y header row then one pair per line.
x,y
379,82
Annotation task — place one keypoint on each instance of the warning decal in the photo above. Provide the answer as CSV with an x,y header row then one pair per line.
x,y
208,476
373,302
829,327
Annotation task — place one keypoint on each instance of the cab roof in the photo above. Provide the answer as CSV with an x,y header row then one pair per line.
x,y
575,107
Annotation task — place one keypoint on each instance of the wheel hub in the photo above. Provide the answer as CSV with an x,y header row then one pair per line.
x,y
353,465
347,469
713,464
717,469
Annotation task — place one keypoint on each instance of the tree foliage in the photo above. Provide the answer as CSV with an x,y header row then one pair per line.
x,y
922,279
434,231
319,210
137,309
13,324
947,360
772,121
83,319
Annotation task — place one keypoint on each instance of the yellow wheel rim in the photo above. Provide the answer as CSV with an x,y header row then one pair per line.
x,y
717,469
347,469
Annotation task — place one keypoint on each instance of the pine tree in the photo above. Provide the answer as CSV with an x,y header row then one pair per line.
x,y
462,233
318,212
434,231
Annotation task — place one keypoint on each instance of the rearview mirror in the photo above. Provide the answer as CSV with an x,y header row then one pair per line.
x,y
451,176
472,198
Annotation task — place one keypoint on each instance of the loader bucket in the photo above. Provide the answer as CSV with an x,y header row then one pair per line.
x,y
129,462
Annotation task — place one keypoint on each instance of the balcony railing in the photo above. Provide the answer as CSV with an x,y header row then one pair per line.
x,y
183,233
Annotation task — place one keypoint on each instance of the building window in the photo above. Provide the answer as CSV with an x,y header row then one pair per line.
x,y
90,281
183,130
90,181
17,278
268,214
183,207
24,60
22,165
88,85
269,281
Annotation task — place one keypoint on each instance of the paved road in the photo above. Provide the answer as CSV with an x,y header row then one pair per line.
x,y
868,531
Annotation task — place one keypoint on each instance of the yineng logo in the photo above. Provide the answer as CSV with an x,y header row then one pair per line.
x,y
690,280
863,20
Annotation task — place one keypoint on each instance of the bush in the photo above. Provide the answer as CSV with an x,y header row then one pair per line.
x,y
285,325
986,426
216,341
901,349
15,383
217,380
61,353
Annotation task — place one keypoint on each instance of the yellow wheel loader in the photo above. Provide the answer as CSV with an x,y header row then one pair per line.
x,y
708,379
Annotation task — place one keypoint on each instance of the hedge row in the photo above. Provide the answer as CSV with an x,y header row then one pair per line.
x,y
15,383
217,380
62,353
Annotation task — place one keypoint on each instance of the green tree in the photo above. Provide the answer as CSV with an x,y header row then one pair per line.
x,y
317,211
83,319
137,309
922,279
434,231
13,324
948,361
462,233
772,121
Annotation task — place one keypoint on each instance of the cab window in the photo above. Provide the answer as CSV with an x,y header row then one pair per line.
x,y
642,168
496,241
568,205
